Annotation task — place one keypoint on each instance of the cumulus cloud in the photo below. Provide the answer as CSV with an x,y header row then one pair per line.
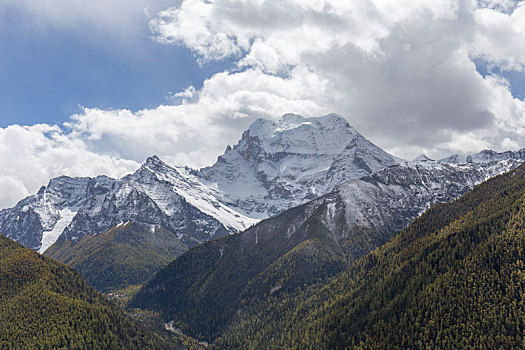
x,y
194,131
114,22
407,66
402,72
31,155
500,37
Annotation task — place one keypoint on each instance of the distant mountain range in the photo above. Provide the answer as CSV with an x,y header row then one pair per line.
x,y
275,166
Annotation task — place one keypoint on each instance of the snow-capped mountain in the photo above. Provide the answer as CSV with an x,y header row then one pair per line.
x,y
275,166
369,210
485,156
362,214
38,220
281,164
75,207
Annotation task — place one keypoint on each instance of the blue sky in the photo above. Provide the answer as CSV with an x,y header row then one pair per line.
x,y
515,78
47,72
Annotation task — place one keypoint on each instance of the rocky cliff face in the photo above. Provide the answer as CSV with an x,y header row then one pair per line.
x,y
364,213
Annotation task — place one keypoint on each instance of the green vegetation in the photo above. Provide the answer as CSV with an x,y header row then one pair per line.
x,y
206,287
46,305
125,255
455,278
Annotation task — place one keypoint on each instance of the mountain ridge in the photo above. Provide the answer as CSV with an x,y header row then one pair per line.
x,y
127,254
452,279
265,173
275,165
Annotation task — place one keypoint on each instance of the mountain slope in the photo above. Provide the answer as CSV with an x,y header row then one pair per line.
x,y
454,278
44,304
128,254
204,288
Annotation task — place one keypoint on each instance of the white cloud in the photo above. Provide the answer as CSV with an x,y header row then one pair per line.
x,y
13,189
500,37
204,122
190,25
404,66
402,72
31,155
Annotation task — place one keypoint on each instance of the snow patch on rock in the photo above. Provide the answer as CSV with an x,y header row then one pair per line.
x,y
50,237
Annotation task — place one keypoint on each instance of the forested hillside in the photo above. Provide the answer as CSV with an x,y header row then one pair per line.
x,y
46,305
203,289
455,278
128,254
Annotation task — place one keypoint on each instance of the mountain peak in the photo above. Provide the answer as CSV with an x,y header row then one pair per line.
x,y
152,166
155,163
455,159
292,118
293,133
66,183
291,160
265,129
153,160
422,158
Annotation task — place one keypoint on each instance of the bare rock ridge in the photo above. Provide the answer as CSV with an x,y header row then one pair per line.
x,y
276,165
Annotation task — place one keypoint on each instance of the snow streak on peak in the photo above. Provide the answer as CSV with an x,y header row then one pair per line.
x,y
296,134
205,198
50,237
